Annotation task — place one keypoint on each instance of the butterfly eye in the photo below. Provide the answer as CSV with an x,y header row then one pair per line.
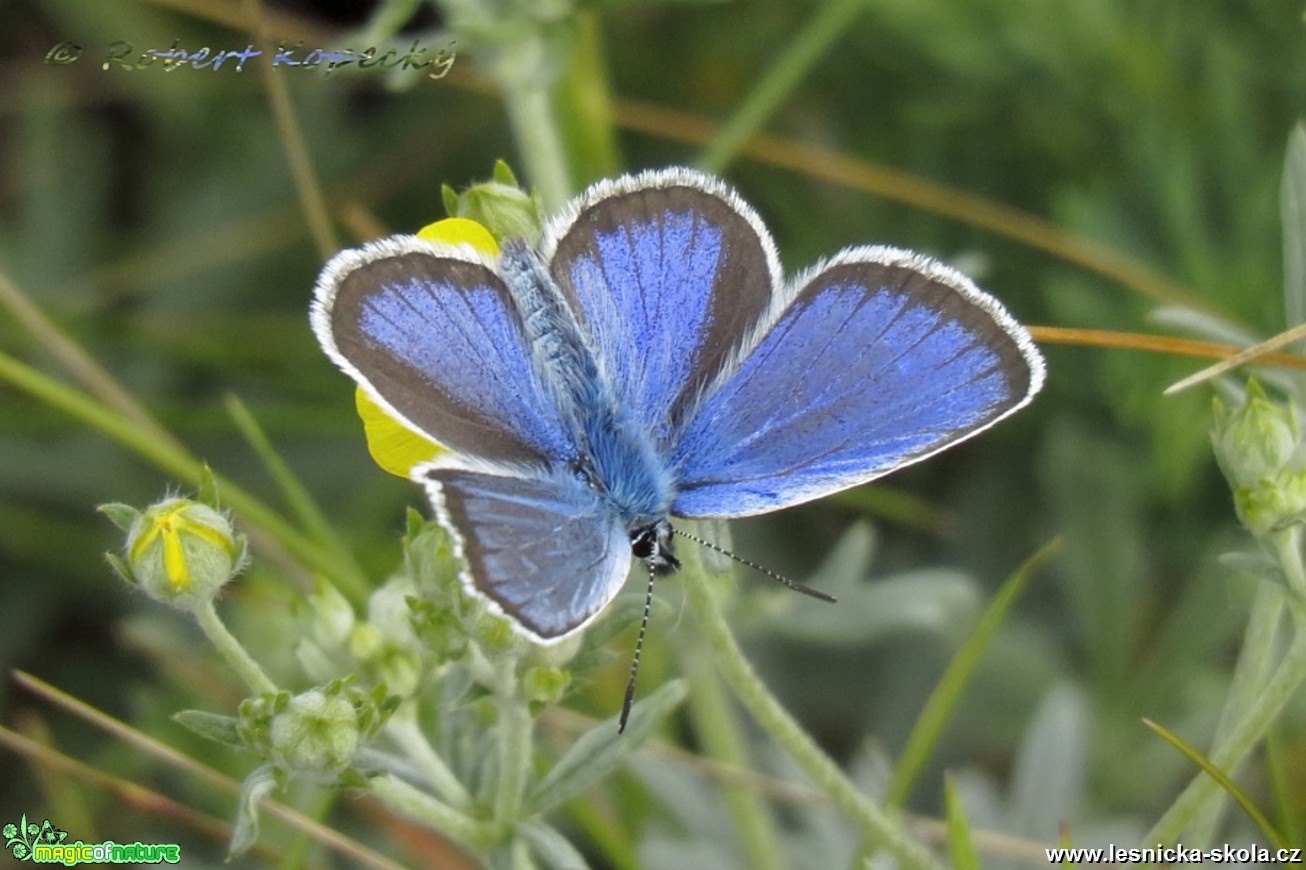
x,y
652,545
643,542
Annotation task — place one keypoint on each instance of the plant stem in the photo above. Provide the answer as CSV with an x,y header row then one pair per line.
x,y
399,795
584,104
535,129
241,662
404,731
879,827
1287,549
297,496
514,732
717,726
83,366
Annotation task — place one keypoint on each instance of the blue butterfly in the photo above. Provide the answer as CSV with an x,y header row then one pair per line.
x,y
649,361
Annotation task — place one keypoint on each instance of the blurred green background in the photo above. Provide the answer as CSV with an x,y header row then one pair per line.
x,y
154,218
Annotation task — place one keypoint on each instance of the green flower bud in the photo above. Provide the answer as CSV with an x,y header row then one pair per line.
x,y
330,615
401,672
545,685
1271,503
325,623
388,643
1257,440
496,635
179,551
440,630
365,642
501,206
389,613
318,732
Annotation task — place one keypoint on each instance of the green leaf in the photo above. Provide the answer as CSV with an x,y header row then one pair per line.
x,y
1190,752
414,523
503,173
213,726
943,700
1051,770
810,44
121,568
598,752
605,5
625,611
1254,564
961,851
551,847
256,786
208,488
121,515
848,563
583,102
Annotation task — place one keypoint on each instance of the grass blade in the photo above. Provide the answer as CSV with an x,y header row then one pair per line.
x,y
301,503
938,709
961,851
1253,812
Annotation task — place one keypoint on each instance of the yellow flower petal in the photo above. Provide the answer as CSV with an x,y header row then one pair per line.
x,y
394,446
174,558
455,231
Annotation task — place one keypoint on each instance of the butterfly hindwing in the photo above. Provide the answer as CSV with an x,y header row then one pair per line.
x,y
547,551
430,331
667,273
882,359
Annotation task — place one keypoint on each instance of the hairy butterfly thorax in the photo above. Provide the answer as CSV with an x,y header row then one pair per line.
x,y
617,456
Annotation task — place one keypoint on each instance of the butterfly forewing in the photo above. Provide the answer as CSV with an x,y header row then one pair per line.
x,y
668,272
882,358
432,334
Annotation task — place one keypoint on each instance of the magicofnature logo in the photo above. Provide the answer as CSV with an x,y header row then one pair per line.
x,y
44,844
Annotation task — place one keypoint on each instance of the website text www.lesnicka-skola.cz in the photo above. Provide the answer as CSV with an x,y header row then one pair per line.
x,y
1179,854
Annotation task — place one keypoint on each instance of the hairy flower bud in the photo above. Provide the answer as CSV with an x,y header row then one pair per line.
x,y
318,732
500,205
1256,440
178,551
1258,445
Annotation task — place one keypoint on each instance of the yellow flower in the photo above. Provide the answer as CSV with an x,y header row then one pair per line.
x,y
394,446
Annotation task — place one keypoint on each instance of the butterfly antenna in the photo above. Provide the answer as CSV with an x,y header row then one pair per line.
x,y
634,662
779,578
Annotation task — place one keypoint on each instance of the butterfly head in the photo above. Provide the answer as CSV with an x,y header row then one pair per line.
x,y
651,544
